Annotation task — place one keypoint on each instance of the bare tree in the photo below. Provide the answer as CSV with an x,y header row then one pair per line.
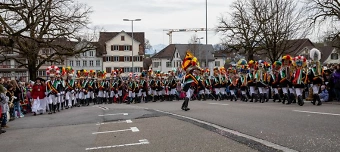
x,y
148,45
263,27
242,30
325,13
281,21
30,27
195,47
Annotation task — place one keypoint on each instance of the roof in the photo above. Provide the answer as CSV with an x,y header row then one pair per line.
x,y
199,50
147,63
326,51
295,46
106,36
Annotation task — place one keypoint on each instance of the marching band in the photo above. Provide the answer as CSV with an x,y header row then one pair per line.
x,y
254,81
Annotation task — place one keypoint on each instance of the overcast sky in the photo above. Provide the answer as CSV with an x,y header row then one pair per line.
x,y
157,15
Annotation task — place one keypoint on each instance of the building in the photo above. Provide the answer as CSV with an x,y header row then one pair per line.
x,y
89,60
171,57
118,52
329,55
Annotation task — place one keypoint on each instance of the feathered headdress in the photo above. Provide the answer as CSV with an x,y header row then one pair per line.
x,y
82,73
113,73
277,65
69,71
286,60
315,54
251,64
300,61
189,62
101,75
52,71
92,73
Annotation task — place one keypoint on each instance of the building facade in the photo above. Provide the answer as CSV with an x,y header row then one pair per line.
x,y
172,56
118,52
89,60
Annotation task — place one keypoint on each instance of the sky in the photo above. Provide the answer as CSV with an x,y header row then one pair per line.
x,y
157,15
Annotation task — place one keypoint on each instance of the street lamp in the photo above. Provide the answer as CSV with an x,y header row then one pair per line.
x,y
133,69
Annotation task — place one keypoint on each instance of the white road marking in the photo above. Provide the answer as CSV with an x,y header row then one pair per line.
x,y
133,129
264,142
219,104
101,107
104,123
141,142
125,114
320,113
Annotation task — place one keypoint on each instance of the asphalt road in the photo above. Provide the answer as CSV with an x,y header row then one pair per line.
x,y
163,126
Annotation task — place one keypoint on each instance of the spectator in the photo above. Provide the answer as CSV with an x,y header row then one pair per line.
x,y
336,80
324,94
4,108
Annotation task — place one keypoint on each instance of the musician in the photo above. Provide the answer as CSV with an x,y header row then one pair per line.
x,y
275,79
315,75
165,84
52,89
216,84
120,86
70,88
261,77
200,87
149,79
252,80
153,87
159,88
143,87
224,83
90,88
189,64
131,88
82,86
286,78
38,95
172,85
207,83
100,88
113,88
60,89
300,78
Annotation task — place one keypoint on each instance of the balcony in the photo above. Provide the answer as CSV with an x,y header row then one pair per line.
x,y
8,67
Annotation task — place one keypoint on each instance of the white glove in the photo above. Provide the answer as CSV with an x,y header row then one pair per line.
x,y
58,94
14,97
72,91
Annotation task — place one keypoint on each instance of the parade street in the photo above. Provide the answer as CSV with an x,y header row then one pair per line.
x,y
163,126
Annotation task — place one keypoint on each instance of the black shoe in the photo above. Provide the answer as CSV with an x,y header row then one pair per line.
x,y
300,101
34,114
2,131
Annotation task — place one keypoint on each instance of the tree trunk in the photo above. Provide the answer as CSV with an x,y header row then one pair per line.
x,y
32,70
250,55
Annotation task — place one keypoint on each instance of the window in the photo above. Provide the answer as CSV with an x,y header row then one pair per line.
x,y
84,54
78,63
122,38
115,59
84,63
168,64
157,64
128,69
137,58
137,69
334,56
91,63
217,63
91,53
98,63
127,48
115,47
108,69
108,58
126,58
177,55
71,63
41,73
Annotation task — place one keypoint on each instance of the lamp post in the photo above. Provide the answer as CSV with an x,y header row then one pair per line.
x,y
133,69
199,42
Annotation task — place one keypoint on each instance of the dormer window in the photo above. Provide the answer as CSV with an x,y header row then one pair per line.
x,y
122,38
334,56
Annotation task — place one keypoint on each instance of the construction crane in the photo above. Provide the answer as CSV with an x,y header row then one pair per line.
x,y
170,31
